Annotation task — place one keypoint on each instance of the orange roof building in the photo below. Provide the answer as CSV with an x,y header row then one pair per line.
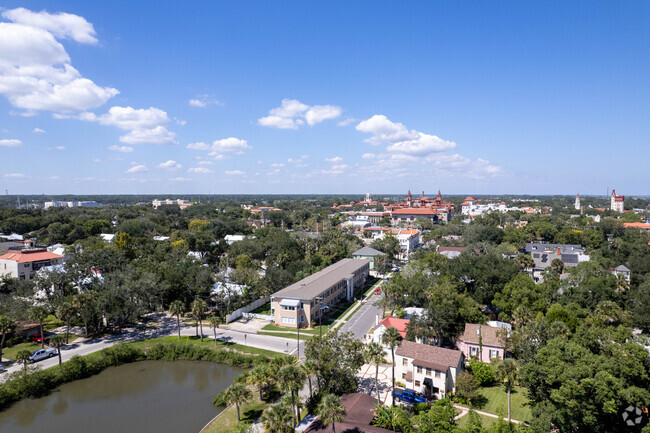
x,y
24,264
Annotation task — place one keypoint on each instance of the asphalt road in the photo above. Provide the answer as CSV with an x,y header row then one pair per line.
x,y
364,319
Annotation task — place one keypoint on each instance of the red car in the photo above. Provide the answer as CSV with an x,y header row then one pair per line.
x,y
37,338
377,290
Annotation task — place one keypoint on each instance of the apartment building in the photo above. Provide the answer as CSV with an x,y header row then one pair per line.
x,y
302,303
24,264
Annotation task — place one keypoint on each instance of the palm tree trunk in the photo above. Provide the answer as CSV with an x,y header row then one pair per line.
x,y
309,379
377,381
196,324
333,429
2,344
293,409
178,325
238,418
201,323
215,343
42,336
59,350
260,385
508,401
392,352
86,328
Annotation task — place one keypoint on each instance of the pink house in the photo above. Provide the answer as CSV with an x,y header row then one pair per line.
x,y
490,339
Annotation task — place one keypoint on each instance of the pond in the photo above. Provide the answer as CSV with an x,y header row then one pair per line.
x,y
148,396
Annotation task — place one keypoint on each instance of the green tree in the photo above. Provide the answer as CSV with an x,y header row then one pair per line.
x,y
65,311
391,338
292,379
198,309
522,292
506,371
23,357
374,354
177,309
439,418
473,424
330,411
467,386
58,341
215,321
258,376
38,314
239,394
6,326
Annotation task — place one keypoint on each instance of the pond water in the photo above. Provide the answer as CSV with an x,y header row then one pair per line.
x,y
148,396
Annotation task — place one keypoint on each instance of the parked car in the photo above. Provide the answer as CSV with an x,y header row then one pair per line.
x,y
41,354
408,396
37,338
377,290
2,368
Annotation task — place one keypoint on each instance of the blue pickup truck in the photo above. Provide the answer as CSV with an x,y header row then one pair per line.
x,y
408,396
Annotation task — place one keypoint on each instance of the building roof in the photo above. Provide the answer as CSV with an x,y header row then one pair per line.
x,y
367,251
399,324
622,268
359,411
429,356
490,336
29,256
457,249
315,284
637,225
415,211
470,198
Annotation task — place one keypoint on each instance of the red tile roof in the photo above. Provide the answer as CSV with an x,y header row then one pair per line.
x,y
399,324
637,225
418,211
29,256
470,198
458,249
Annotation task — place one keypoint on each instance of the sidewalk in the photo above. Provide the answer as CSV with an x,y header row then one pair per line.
x,y
465,410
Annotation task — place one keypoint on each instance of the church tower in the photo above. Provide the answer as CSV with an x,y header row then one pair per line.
x,y
577,204
408,198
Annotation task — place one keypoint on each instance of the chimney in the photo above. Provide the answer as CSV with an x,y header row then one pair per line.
x,y
376,319
559,252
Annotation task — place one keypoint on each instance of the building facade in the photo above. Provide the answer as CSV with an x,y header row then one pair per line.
x,y
24,264
430,370
303,303
617,202
482,342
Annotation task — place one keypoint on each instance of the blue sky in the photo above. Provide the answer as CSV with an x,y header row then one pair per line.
x,y
324,97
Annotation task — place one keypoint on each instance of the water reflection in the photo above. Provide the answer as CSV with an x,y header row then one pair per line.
x,y
146,396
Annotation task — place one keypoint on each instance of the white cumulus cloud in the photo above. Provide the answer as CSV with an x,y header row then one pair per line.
x,y
170,165
202,170
137,168
145,125
292,113
202,101
10,142
336,159
123,149
35,69
235,172
39,131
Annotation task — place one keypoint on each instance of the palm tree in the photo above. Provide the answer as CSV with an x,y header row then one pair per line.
x,y
65,311
198,308
23,356
57,341
309,368
391,338
6,326
292,379
330,410
277,418
38,314
374,354
507,371
239,394
215,321
177,308
82,304
258,376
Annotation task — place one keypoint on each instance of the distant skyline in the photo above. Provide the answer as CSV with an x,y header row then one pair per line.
x,y
324,97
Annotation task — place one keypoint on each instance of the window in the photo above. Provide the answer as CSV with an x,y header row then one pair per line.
x,y
494,353
288,308
473,351
290,320
403,375
438,373
405,362
419,369
428,371
417,383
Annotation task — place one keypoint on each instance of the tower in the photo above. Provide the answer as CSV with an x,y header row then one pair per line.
x,y
617,202
577,203
369,197
408,198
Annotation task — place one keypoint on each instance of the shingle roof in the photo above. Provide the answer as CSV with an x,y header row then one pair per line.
x,y
429,356
315,284
367,251
622,268
490,336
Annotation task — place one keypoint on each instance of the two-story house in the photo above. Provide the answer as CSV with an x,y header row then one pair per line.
x,y
430,370
482,342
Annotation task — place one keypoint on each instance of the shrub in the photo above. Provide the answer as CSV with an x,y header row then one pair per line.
x,y
483,372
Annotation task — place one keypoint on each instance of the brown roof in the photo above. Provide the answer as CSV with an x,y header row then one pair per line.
x,y
360,410
490,335
429,356
459,249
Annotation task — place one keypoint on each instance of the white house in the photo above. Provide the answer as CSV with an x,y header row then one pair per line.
x,y
430,370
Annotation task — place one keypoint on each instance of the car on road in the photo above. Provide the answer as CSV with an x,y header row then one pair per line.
x,y
377,290
2,368
408,396
41,354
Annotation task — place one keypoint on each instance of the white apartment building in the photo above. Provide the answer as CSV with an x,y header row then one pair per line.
x,y
49,204
24,264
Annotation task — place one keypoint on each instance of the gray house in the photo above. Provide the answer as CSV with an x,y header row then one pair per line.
x,y
368,253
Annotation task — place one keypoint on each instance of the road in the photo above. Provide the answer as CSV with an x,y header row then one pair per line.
x,y
364,319
166,326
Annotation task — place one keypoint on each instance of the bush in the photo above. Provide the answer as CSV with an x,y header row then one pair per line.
x,y
482,371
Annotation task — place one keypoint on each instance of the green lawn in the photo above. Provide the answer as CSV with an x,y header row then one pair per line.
x,y
497,402
272,327
228,418
51,323
207,342
291,335
371,284
486,421
264,309
10,352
